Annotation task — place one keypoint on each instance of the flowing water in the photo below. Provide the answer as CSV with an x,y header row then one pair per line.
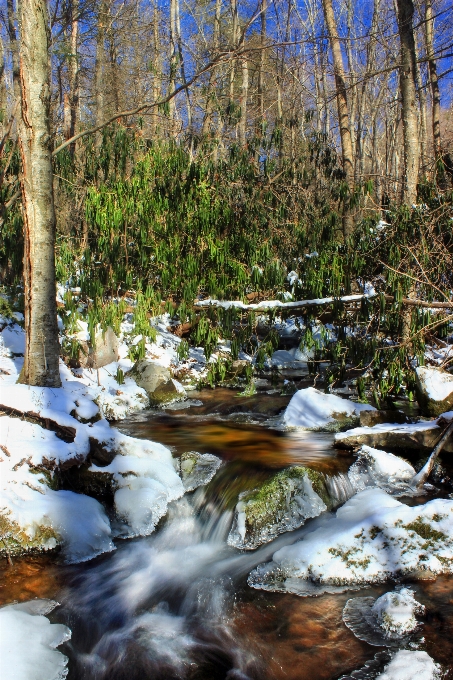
x,y
176,604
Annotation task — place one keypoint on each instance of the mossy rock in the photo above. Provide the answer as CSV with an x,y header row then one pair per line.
x,y
14,540
281,504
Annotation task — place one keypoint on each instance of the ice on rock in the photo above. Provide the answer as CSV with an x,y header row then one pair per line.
x,y
311,409
144,479
28,642
375,468
371,538
387,620
408,665
283,503
197,469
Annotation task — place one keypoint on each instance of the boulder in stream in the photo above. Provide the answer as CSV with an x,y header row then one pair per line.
x,y
311,409
157,381
282,503
434,389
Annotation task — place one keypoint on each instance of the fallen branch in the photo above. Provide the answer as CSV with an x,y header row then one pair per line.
x,y
420,478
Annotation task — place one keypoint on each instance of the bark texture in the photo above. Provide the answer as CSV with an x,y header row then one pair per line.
x,y
409,101
343,112
42,346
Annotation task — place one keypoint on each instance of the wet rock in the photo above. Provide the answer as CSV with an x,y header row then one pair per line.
x,y
434,389
392,437
281,504
197,469
105,351
371,418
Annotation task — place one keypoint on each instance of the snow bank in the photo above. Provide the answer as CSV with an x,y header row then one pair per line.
x,y
437,384
372,537
375,468
311,409
28,641
407,665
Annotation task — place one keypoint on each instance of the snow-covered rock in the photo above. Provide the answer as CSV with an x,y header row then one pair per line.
x,y
312,409
408,665
422,435
105,351
28,642
395,612
434,389
375,468
282,503
386,621
371,538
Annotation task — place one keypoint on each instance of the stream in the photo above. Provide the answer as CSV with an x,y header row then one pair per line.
x,y
176,605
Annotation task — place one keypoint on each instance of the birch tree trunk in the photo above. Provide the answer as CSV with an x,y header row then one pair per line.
x,y
409,101
72,98
343,113
42,346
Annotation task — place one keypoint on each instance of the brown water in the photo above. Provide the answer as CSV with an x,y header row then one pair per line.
x,y
176,604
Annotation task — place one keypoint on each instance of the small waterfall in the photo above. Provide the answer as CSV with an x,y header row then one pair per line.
x,y
340,488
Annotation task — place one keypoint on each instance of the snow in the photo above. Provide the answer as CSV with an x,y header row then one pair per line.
x,y
14,339
437,384
385,470
28,642
311,409
407,665
371,538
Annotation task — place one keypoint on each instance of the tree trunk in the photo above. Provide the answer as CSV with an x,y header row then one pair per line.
x,y
409,101
99,69
244,97
172,62
343,113
14,45
434,82
209,105
71,103
42,346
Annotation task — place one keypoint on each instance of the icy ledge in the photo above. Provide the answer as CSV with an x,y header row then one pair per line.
x,y
28,641
372,538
